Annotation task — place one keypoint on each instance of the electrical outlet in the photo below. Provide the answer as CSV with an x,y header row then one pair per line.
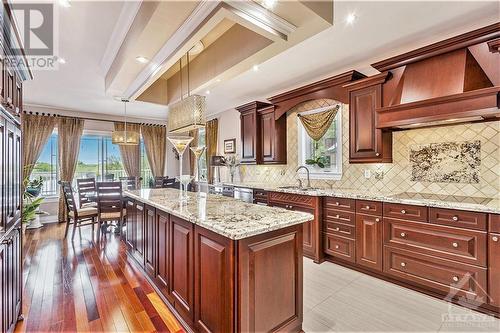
x,y
368,173
379,175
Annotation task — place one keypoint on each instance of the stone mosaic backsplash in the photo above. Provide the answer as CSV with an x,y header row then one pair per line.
x,y
447,162
397,176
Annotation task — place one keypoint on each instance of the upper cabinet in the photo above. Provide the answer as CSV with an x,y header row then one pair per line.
x,y
263,138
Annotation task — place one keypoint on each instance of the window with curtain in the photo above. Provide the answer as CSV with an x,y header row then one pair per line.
x,y
324,156
98,157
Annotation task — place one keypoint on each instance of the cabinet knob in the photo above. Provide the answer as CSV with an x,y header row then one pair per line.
x,y
403,264
336,203
454,244
337,216
291,207
336,246
337,229
403,211
455,218
377,154
403,235
494,238
455,278
377,220
367,207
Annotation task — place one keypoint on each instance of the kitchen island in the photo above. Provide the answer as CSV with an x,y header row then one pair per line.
x,y
220,265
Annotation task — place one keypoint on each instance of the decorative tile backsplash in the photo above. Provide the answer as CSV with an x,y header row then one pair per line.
x,y
447,162
397,176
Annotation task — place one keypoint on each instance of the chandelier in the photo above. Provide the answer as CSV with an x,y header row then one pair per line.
x,y
189,113
125,138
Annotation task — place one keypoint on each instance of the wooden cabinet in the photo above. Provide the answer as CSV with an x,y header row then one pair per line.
x,y
139,232
214,269
263,138
12,173
369,241
494,269
131,222
162,239
458,218
150,241
11,278
339,247
367,143
182,266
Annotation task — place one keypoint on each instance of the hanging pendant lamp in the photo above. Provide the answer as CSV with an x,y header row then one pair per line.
x,y
125,138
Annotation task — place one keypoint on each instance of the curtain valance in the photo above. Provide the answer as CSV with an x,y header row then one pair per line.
x,y
316,124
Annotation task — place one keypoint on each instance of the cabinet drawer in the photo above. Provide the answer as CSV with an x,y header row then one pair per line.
x,y
339,247
369,207
494,223
444,276
260,195
293,199
458,218
468,246
340,229
339,216
405,212
338,203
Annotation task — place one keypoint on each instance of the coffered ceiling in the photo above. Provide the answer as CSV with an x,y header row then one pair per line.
x,y
100,41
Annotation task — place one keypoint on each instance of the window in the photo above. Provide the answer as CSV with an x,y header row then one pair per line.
x,y
47,167
322,157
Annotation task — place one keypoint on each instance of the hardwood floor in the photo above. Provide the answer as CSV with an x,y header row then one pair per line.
x,y
86,287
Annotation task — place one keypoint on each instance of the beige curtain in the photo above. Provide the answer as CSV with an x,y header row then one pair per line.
x,y
69,132
155,143
316,124
36,132
131,155
211,133
194,143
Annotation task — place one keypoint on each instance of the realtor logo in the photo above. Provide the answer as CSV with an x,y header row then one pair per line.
x,y
37,30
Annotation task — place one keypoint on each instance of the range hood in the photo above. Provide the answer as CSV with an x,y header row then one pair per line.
x,y
453,81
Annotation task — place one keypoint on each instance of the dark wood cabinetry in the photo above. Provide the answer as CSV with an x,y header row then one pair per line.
x,y
12,278
162,253
150,240
494,269
139,231
369,241
263,138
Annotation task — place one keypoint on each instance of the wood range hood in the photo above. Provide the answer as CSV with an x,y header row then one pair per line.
x,y
454,81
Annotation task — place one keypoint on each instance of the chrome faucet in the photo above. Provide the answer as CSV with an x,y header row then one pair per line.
x,y
307,170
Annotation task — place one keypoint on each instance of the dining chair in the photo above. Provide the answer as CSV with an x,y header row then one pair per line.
x,y
132,182
109,177
77,215
110,204
159,181
86,192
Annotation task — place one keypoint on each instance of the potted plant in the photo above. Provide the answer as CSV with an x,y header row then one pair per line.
x,y
31,201
34,187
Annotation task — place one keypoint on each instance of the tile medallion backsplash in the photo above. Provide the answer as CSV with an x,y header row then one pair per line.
x,y
447,162
397,176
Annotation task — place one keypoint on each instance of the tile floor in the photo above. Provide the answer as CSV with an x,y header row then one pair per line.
x,y
337,299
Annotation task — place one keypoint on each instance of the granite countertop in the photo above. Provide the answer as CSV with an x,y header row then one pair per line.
x,y
492,206
225,216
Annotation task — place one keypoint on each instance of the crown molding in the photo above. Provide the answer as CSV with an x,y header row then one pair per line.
x,y
122,26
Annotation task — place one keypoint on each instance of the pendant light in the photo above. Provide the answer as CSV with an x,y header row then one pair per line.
x,y
125,138
189,113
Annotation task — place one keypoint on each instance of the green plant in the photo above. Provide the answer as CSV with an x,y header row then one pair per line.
x,y
320,161
30,201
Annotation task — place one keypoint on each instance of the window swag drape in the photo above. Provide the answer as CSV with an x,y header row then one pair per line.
x,y
36,132
316,124
211,134
69,132
131,156
155,144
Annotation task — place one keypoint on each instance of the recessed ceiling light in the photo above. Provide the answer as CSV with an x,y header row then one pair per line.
x,y
255,68
269,4
142,59
350,18
61,60
64,3
207,92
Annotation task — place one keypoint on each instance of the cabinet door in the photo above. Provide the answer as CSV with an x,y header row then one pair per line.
x,y
248,137
267,136
494,269
12,279
162,253
139,232
214,271
182,266
19,97
3,178
367,143
369,241
17,167
308,233
149,240
3,289
131,222
9,174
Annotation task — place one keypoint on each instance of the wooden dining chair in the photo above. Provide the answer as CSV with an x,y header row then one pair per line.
x,y
132,182
110,204
77,215
86,192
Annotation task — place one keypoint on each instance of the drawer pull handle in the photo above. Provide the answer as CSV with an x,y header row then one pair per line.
x,y
455,278
337,216
367,207
455,218
454,244
403,235
336,246
291,207
403,264
377,154
336,203
494,238
336,229
377,220
403,211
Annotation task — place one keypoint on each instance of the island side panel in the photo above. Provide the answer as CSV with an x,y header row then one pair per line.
x,y
270,281
214,283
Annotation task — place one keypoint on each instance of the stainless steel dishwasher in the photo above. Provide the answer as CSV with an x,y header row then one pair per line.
x,y
244,194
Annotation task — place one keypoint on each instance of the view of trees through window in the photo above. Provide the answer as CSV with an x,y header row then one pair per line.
x,y
98,158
